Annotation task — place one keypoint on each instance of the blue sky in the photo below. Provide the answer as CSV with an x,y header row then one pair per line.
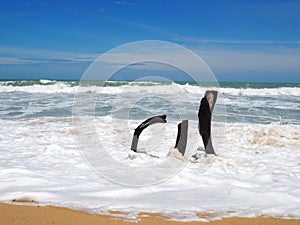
x,y
240,40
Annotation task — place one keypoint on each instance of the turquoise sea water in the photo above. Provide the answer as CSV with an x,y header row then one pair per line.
x,y
257,85
238,102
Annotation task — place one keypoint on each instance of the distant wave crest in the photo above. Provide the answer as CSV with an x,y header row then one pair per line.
x,y
116,87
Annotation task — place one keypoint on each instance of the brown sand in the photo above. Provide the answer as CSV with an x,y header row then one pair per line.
x,y
49,215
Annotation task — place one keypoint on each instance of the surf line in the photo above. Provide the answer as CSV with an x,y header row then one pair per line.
x,y
206,108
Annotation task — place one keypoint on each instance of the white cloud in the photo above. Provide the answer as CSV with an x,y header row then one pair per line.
x,y
8,60
187,39
21,55
232,42
228,60
221,59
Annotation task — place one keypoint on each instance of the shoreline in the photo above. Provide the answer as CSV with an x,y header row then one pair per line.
x,y
30,213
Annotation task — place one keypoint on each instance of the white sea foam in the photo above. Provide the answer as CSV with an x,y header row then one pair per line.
x,y
282,91
52,87
45,81
256,172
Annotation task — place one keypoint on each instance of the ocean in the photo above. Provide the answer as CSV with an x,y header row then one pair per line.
x,y
50,151
261,103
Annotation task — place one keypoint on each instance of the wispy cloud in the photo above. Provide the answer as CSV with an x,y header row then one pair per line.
x,y
9,60
240,42
196,40
125,3
26,56
243,60
219,58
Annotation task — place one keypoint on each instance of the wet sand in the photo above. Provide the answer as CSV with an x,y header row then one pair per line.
x,y
13,214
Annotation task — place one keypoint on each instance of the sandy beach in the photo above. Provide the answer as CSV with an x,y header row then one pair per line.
x,y
45,215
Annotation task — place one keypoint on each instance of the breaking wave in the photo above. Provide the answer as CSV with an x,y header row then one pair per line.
x,y
116,87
